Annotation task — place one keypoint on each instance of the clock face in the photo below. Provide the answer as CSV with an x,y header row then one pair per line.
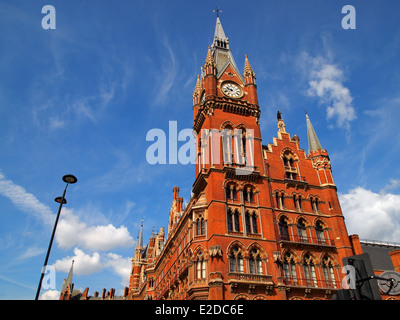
x,y
231,90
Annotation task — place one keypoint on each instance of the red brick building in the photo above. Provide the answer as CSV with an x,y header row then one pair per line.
x,y
263,222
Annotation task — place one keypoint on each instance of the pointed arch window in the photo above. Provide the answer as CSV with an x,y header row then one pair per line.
x,y
255,262
283,228
200,226
231,192
200,266
236,260
232,218
314,204
280,200
309,271
289,269
302,231
328,271
319,230
227,137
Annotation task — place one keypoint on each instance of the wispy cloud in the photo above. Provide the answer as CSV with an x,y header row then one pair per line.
x,y
326,82
25,201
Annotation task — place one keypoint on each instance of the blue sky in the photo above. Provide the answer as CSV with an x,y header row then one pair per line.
x,y
81,98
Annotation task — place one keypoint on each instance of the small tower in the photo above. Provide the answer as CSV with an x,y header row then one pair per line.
x,y
134,281
319,156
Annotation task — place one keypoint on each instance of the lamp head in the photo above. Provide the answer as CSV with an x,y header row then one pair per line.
x,y
69,178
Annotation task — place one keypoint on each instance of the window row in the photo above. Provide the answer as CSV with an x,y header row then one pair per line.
x,y
231,193
308,273
233,221
236,264
306,233
297,200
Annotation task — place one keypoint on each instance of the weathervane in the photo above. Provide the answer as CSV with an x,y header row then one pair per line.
x,y
217,11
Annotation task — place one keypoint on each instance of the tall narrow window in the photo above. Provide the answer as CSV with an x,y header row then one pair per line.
x,y
289,269
247,220
200,226
236,260
254,222
329,273
283,229
319,230
301,228
236,220
309,271
227,145
229,220
200,266
255,262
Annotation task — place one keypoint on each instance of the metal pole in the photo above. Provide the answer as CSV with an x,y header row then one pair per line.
x,y
51,242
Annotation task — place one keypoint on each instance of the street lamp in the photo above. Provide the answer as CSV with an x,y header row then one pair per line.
x,y
68,179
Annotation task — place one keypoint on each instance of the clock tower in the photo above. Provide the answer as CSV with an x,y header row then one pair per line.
x,y
263,221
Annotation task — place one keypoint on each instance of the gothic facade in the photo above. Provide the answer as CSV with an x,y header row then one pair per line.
x,y
263,222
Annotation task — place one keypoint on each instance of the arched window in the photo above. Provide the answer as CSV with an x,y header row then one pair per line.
x,y
289,269
328,271
255,262
200,226
301,228
200,266
236,260
229,219
254,222
247,220
309,271
232,219
236,220
231,192
280,200
297,202
283,229
314,204
248,194
251,222
319,230
227,144
290,167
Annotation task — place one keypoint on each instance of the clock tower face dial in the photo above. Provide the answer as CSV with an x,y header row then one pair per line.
x,y
231,90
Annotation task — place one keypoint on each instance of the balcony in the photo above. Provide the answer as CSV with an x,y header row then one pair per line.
x,y
249,282
249,278
311,283
306,240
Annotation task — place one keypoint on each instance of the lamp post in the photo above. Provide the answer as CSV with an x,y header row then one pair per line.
x,y
68,179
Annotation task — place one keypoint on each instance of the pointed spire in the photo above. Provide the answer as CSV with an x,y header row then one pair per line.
x,y
68,281
248,74
313,142
197,88
209,59
219,34
139,243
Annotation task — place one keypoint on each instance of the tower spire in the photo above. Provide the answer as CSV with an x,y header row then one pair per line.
x,y
313,141
139,243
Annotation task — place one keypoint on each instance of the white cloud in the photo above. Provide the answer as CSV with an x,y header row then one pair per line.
x,y
374,216
50,295
71,232
25,201
84,263
326,83
121,266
